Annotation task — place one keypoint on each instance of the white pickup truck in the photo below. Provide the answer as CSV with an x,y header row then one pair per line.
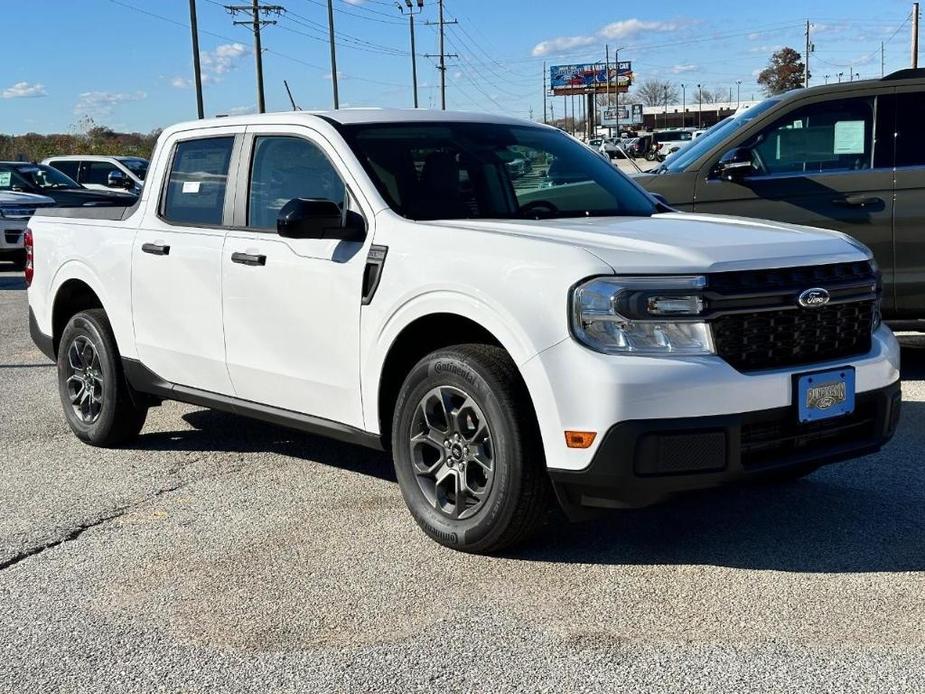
x,y
380,277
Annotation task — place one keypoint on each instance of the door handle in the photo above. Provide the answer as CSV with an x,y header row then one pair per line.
x,y
858,201
155,249
249,259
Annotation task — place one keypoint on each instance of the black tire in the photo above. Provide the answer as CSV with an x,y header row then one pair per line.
x,y
117,419
519,496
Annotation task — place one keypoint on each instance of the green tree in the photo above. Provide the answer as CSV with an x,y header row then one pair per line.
x,y
783,73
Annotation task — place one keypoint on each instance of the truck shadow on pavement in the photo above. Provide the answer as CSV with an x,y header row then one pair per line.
x,y
866,515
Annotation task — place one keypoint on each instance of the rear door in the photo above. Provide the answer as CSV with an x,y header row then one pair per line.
x,y
292,306
909,212
825,163
177,262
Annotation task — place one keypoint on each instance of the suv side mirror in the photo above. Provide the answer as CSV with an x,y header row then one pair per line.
x,y
313,218
734,165
117,179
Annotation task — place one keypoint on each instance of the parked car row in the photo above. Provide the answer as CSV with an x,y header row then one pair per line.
x,y
27,186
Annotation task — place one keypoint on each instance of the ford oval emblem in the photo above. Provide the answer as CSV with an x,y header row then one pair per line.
x,y
817,297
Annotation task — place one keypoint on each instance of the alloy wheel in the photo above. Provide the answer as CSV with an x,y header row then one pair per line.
x,y
452,452
84,380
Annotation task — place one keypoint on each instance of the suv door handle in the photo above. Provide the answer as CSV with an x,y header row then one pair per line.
x,y
858,201
155,249
248,259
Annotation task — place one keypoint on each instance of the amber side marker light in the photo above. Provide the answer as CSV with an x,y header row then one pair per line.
x,y
579,439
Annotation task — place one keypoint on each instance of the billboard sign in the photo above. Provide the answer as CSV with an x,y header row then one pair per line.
x,y
629,115
590,78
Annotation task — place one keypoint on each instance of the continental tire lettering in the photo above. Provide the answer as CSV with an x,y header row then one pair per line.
x,y
454,368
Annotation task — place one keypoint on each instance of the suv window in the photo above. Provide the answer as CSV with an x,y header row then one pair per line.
x,y
831,136
96,172
68,168
285,168
910,138
198,180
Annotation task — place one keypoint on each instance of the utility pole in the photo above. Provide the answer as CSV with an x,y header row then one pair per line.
x,y
700,107
443,54
197,73
882,59
683,105
333,53
256,23
544,91
915,35
809,49
414,58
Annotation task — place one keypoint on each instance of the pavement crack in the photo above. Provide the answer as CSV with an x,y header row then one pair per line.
x,y
79,530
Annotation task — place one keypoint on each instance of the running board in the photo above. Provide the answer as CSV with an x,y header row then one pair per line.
x,y
143,380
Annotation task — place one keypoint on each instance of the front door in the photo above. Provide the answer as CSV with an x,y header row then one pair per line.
x,y
292,306
176,266
827,164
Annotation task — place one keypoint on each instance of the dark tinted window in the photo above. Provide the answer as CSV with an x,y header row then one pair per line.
x,y
285,168
96,172
68,168
910,135
831,136
32,178
197,182
489,171
136,165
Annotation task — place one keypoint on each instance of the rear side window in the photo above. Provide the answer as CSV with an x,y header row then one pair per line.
x,y
197,181
831,136
68,168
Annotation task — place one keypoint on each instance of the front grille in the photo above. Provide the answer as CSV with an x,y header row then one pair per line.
x,y
774,339
766,442
758,324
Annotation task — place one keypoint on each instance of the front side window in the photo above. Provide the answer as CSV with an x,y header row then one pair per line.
x,y
285,168
820,138
910,140
197,181
490,171
96,172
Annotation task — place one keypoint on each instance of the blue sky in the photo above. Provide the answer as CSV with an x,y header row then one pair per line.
x,y
127,63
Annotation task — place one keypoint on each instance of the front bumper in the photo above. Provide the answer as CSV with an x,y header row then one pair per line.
x,y
640,462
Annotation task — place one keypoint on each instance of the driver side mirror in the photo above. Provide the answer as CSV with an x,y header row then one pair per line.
x,y
117,179
734,165
312,218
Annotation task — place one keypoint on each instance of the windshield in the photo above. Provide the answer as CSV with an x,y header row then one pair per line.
x,y
715,135
136,165
490,171
27,177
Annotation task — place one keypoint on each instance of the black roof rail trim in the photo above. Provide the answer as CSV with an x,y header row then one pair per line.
x,y
905,74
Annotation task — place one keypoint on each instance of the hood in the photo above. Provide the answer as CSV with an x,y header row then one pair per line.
x,y
29,199
683,243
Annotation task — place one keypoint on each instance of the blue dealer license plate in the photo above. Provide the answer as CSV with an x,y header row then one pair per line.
x,y
825,394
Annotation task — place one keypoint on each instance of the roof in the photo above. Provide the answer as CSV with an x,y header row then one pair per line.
x,y
349,116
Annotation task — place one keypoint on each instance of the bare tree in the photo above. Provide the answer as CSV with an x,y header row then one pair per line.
x,y
657,93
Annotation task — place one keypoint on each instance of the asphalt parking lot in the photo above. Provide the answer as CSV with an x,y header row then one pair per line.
x,y
220,554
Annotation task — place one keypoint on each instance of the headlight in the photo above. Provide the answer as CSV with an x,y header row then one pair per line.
x,y
641,315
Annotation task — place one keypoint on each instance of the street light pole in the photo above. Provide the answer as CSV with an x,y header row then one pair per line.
x,y
414,57
683,105
700,107
738,93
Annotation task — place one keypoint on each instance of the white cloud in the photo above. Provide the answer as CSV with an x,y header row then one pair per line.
x,y
102,103
687,67
242,110
615,31
214,64
24,90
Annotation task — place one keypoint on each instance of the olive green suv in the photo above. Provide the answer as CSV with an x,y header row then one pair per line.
x,y
849,157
